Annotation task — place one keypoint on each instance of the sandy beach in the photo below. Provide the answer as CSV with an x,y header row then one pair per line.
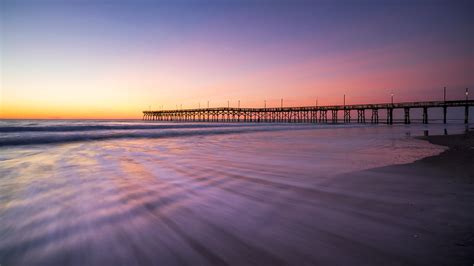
x,y
250,202
420,213
238,132
413,214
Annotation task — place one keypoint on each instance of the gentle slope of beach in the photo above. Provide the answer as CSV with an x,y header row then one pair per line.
x,y
321,196
417,213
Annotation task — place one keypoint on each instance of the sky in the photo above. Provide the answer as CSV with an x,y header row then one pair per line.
x,y
114,59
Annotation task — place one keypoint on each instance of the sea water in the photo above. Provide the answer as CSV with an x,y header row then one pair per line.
x,y
133,192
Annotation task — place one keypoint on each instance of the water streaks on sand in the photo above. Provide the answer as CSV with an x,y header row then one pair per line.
x,y
225,199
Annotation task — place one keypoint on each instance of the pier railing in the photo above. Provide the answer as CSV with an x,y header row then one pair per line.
x,y
306,114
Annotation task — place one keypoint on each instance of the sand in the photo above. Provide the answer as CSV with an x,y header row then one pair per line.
x,y
420,213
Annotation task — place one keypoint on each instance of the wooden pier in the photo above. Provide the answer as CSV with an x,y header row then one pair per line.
x,y
307,114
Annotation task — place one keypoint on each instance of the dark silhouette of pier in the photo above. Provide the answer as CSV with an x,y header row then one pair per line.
x,y
366,113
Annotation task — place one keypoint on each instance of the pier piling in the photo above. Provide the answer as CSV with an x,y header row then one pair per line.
x,y
305,114
407,115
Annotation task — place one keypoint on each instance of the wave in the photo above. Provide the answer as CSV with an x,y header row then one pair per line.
x,y
24,139
70,128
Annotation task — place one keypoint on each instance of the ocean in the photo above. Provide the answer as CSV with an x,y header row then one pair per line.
x,y
76,192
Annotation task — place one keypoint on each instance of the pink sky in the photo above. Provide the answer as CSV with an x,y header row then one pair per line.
x,y
95,61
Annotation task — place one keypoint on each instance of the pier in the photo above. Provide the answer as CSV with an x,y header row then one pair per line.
x,y
366,113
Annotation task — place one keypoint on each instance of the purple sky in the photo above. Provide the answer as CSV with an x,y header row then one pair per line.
x,y
73,57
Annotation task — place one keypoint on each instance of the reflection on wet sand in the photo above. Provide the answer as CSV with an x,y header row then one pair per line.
x,y
304,197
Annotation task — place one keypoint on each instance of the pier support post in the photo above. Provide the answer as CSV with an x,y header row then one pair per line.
x,y
375,116
445,111
390,116
425,115
334,116
407,115
466,114
347,115
323,116
360,115
466,109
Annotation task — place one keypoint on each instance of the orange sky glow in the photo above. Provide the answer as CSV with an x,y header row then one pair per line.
x,y
63,62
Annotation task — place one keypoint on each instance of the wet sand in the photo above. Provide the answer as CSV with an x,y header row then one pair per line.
x,y
420,213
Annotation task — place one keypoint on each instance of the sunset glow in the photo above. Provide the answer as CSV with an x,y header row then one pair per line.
x,y
79,59
236,132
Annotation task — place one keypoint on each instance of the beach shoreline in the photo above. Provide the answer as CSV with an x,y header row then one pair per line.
x,y
418,213
439,195
458,159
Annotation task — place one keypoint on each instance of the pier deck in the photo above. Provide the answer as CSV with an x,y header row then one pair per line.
x,y
306,114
